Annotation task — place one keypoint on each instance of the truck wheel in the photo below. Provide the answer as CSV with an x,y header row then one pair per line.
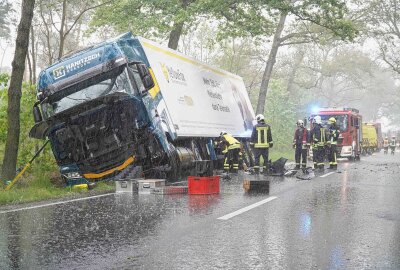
x,y
174,165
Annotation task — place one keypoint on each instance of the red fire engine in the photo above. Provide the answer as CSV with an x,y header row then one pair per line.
x,y
349,121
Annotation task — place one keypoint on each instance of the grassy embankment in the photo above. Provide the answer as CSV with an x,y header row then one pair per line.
x,y
36,185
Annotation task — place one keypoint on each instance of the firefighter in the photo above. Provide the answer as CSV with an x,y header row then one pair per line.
x,y
300,143
319,137
334,132
385,145
261,140
393,144
231,149
314,146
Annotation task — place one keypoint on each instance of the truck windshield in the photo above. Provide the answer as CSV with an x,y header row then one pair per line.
x,y
341,121
115,81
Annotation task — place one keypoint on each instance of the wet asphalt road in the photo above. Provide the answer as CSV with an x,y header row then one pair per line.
x,y
349,219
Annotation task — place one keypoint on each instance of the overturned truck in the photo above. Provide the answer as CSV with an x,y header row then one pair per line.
x,y
130,102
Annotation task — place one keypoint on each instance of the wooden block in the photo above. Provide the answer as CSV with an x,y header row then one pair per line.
x,y
256,186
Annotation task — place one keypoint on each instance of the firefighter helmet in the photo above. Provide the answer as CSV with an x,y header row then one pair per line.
x,y
259,117
317,119
332,120
300,123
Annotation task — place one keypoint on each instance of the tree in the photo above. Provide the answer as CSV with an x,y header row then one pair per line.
x,y
158,18
14,91
384,26
58,20
5,18
262,18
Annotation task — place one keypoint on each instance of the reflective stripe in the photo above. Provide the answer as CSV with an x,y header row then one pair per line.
x,y
262,140
234,146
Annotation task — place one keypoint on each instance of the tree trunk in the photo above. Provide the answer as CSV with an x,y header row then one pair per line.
x,y
14,92
297,62
175,35
33,52
270,65
29,67
62,36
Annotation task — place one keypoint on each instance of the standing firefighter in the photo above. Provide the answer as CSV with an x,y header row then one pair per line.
x,y
300,143
231,149
261,140
334,132
393,144
385,145
319,137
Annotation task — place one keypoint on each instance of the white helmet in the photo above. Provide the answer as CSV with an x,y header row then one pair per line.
x,y
259,117
318,119
300,123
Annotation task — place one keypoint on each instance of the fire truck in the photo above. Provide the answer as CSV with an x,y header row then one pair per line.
x,y
349,121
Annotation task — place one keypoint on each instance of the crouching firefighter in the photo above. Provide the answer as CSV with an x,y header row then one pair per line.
x,y
300,144
231,149
261,140
319,137
334,132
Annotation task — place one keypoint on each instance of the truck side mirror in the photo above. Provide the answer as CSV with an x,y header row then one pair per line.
x,y
145,75
37,115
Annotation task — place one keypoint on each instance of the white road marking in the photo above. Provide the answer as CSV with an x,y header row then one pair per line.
x,y
247,208
56,203
325,175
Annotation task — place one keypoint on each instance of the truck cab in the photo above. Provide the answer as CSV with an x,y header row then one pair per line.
x,y
91,106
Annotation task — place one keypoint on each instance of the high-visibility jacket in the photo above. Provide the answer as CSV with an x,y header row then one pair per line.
x,y
392,142
261,136
229,143
334,132
385,143
319,135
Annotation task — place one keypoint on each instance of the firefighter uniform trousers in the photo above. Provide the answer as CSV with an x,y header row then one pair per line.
x,y
314,158
260,152
300,153
320,156
231,162
332,155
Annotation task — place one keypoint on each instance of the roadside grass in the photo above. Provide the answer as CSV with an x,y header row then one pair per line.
x,y
37,186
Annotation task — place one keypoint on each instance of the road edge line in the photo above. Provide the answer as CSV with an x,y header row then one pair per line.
x,y
55,203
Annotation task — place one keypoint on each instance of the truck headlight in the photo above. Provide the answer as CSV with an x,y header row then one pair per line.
x,y
73,175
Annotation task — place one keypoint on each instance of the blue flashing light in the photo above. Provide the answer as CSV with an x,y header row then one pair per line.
x,y
314,109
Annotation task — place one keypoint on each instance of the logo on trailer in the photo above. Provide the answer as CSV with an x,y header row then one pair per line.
x,y
173,75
